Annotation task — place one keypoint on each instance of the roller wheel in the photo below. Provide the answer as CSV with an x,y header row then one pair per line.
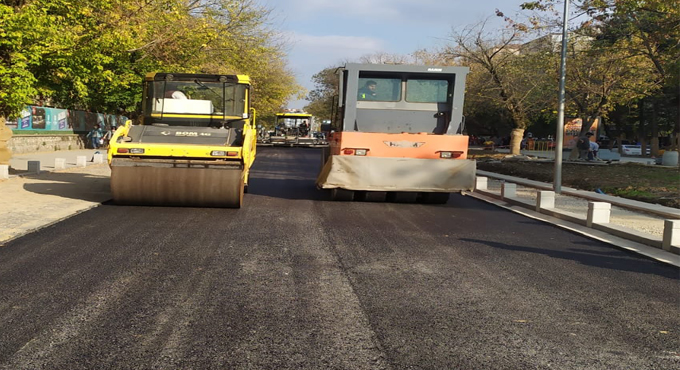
x,y
370,196
402,197
342,195
235,197
435,198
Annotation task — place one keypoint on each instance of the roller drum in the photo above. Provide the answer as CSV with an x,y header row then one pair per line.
x,y
168,183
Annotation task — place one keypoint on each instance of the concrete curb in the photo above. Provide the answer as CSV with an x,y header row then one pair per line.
x,y
656,209
597,215
6,237
618,242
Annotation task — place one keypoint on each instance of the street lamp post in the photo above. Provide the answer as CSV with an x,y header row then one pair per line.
x,y
559,137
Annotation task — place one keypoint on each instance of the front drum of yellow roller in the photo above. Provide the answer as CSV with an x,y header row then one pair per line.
x,y
176,183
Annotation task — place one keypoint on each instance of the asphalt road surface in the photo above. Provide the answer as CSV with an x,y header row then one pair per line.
x,y
294,281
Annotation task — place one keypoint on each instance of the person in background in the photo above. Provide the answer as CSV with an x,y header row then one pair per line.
x,y
108,135
96,136
583,146
304,128
594,148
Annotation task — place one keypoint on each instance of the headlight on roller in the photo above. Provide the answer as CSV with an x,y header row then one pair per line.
x,y
353,151
453,154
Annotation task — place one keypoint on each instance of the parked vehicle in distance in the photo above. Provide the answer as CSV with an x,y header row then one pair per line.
x,y
631,149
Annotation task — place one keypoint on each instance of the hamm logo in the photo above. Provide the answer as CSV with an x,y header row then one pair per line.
x,y
404,144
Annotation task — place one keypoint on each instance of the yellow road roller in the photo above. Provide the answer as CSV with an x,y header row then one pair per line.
x,y
194,146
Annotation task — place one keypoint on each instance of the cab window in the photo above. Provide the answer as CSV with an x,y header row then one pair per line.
x,y
427,91
386,89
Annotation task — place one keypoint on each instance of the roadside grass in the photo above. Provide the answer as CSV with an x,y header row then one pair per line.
x,y
639,194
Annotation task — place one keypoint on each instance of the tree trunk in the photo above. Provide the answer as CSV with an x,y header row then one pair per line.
x,y
5,135
620,140
516,140
586,125
655,131
643,121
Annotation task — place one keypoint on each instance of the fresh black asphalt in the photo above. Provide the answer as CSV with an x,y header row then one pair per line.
x,y
295,281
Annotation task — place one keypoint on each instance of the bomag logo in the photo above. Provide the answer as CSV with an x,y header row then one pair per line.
x,y
434,69
186,133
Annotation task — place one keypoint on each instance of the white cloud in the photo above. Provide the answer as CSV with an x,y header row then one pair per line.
x,y
397,12
345,46
327,33
363,8
310,54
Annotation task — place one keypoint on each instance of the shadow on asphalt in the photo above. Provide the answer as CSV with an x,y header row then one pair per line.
x,y
80,186
285,188
305,189
614,259
13,171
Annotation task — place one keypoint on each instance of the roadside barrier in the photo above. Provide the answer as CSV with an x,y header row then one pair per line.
x,y
597,216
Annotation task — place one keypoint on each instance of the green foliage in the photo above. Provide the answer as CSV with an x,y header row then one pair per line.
x,y
93,54
600,78
25,35
633,55
506,85
322,97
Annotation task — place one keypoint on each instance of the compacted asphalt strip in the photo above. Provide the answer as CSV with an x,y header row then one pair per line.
x,y
294,281
29,201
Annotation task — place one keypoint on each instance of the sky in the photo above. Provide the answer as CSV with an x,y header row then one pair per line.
x,y
325,33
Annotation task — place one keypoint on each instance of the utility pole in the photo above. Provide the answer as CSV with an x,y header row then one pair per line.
x,y
559,137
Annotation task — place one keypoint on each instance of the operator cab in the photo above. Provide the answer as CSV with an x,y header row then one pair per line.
x,y
194,100
296,124
401,99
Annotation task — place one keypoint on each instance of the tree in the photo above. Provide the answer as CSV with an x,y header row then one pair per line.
x,y
26,34
484,111
516,79
650,29
647,28
600,78
323,97
93,54
384,58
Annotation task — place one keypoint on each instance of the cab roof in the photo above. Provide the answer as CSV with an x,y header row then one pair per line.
x,y
164,76
293,115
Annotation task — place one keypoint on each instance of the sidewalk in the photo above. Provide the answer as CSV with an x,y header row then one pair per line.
x,y
30,201
605,154
19,162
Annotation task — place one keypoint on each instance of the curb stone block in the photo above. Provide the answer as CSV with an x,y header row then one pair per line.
x,y
81,161
60,163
